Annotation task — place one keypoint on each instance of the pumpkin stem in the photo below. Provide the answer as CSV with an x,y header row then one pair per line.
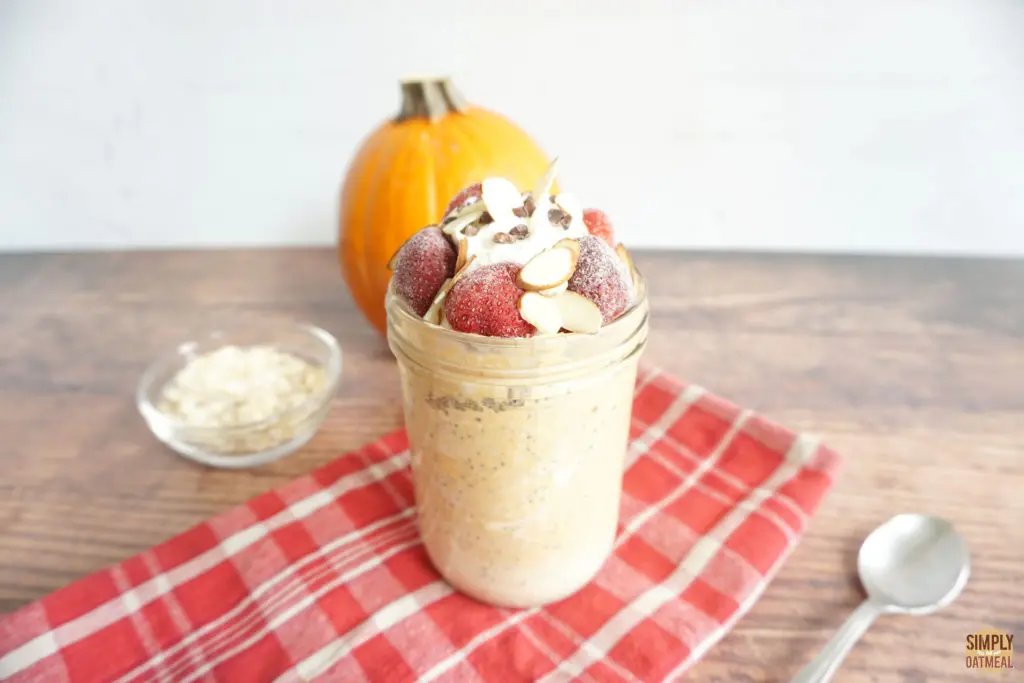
x,y
429,98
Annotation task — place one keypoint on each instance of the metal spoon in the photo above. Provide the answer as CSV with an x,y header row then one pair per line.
x,y
912,564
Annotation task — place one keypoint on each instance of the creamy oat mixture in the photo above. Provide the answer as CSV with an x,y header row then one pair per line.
x,y
519,497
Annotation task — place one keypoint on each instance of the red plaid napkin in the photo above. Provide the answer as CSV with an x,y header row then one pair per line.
x,y
326,579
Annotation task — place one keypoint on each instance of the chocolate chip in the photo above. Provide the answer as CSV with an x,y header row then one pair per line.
x,y
471,230
485,218
520,231
502,238
556,215
552,199
565,220
528,207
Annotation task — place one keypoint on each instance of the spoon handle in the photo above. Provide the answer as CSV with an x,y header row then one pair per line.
x,y
823,667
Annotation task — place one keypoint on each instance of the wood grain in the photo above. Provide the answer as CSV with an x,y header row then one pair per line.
x,y
914,368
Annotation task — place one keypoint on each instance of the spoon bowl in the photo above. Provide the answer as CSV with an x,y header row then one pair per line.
x,y
911,564
914,564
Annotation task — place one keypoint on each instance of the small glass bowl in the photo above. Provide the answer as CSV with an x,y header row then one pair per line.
x,y
254,443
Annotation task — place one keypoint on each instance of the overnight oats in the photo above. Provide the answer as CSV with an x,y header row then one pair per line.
x,y
517,324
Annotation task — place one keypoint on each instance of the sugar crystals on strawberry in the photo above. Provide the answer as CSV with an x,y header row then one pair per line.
x,y
421,266
601,277
484,301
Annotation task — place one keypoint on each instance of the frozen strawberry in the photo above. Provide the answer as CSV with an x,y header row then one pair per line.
x,y
484,301
599,225
420,267
600,277
467,196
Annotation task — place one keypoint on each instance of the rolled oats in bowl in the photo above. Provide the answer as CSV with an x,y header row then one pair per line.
x,y
242,398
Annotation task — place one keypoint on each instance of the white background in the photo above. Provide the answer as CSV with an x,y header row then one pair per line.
x,y
847,125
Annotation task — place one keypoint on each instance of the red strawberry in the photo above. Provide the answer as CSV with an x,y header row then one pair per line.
x,y
467,196
600,276
420,267
484,301
599,225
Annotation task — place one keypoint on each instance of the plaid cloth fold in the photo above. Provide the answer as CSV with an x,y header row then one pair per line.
x,y
326,579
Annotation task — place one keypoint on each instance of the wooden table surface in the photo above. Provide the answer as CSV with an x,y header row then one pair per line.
x,y
913,368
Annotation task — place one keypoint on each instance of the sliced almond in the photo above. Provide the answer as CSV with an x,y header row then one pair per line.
x,y
543,186
549,268
470,206
459,272
577,312
568,243
433,314
623,254
627,260
555,291
540,311
460,259
464,217
501,198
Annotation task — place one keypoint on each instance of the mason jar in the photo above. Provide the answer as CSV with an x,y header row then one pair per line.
x,y
517,450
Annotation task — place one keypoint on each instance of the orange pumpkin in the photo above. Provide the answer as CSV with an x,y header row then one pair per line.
x,y
408,169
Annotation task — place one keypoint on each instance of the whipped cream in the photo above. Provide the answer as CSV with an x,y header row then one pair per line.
x,y
506,236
